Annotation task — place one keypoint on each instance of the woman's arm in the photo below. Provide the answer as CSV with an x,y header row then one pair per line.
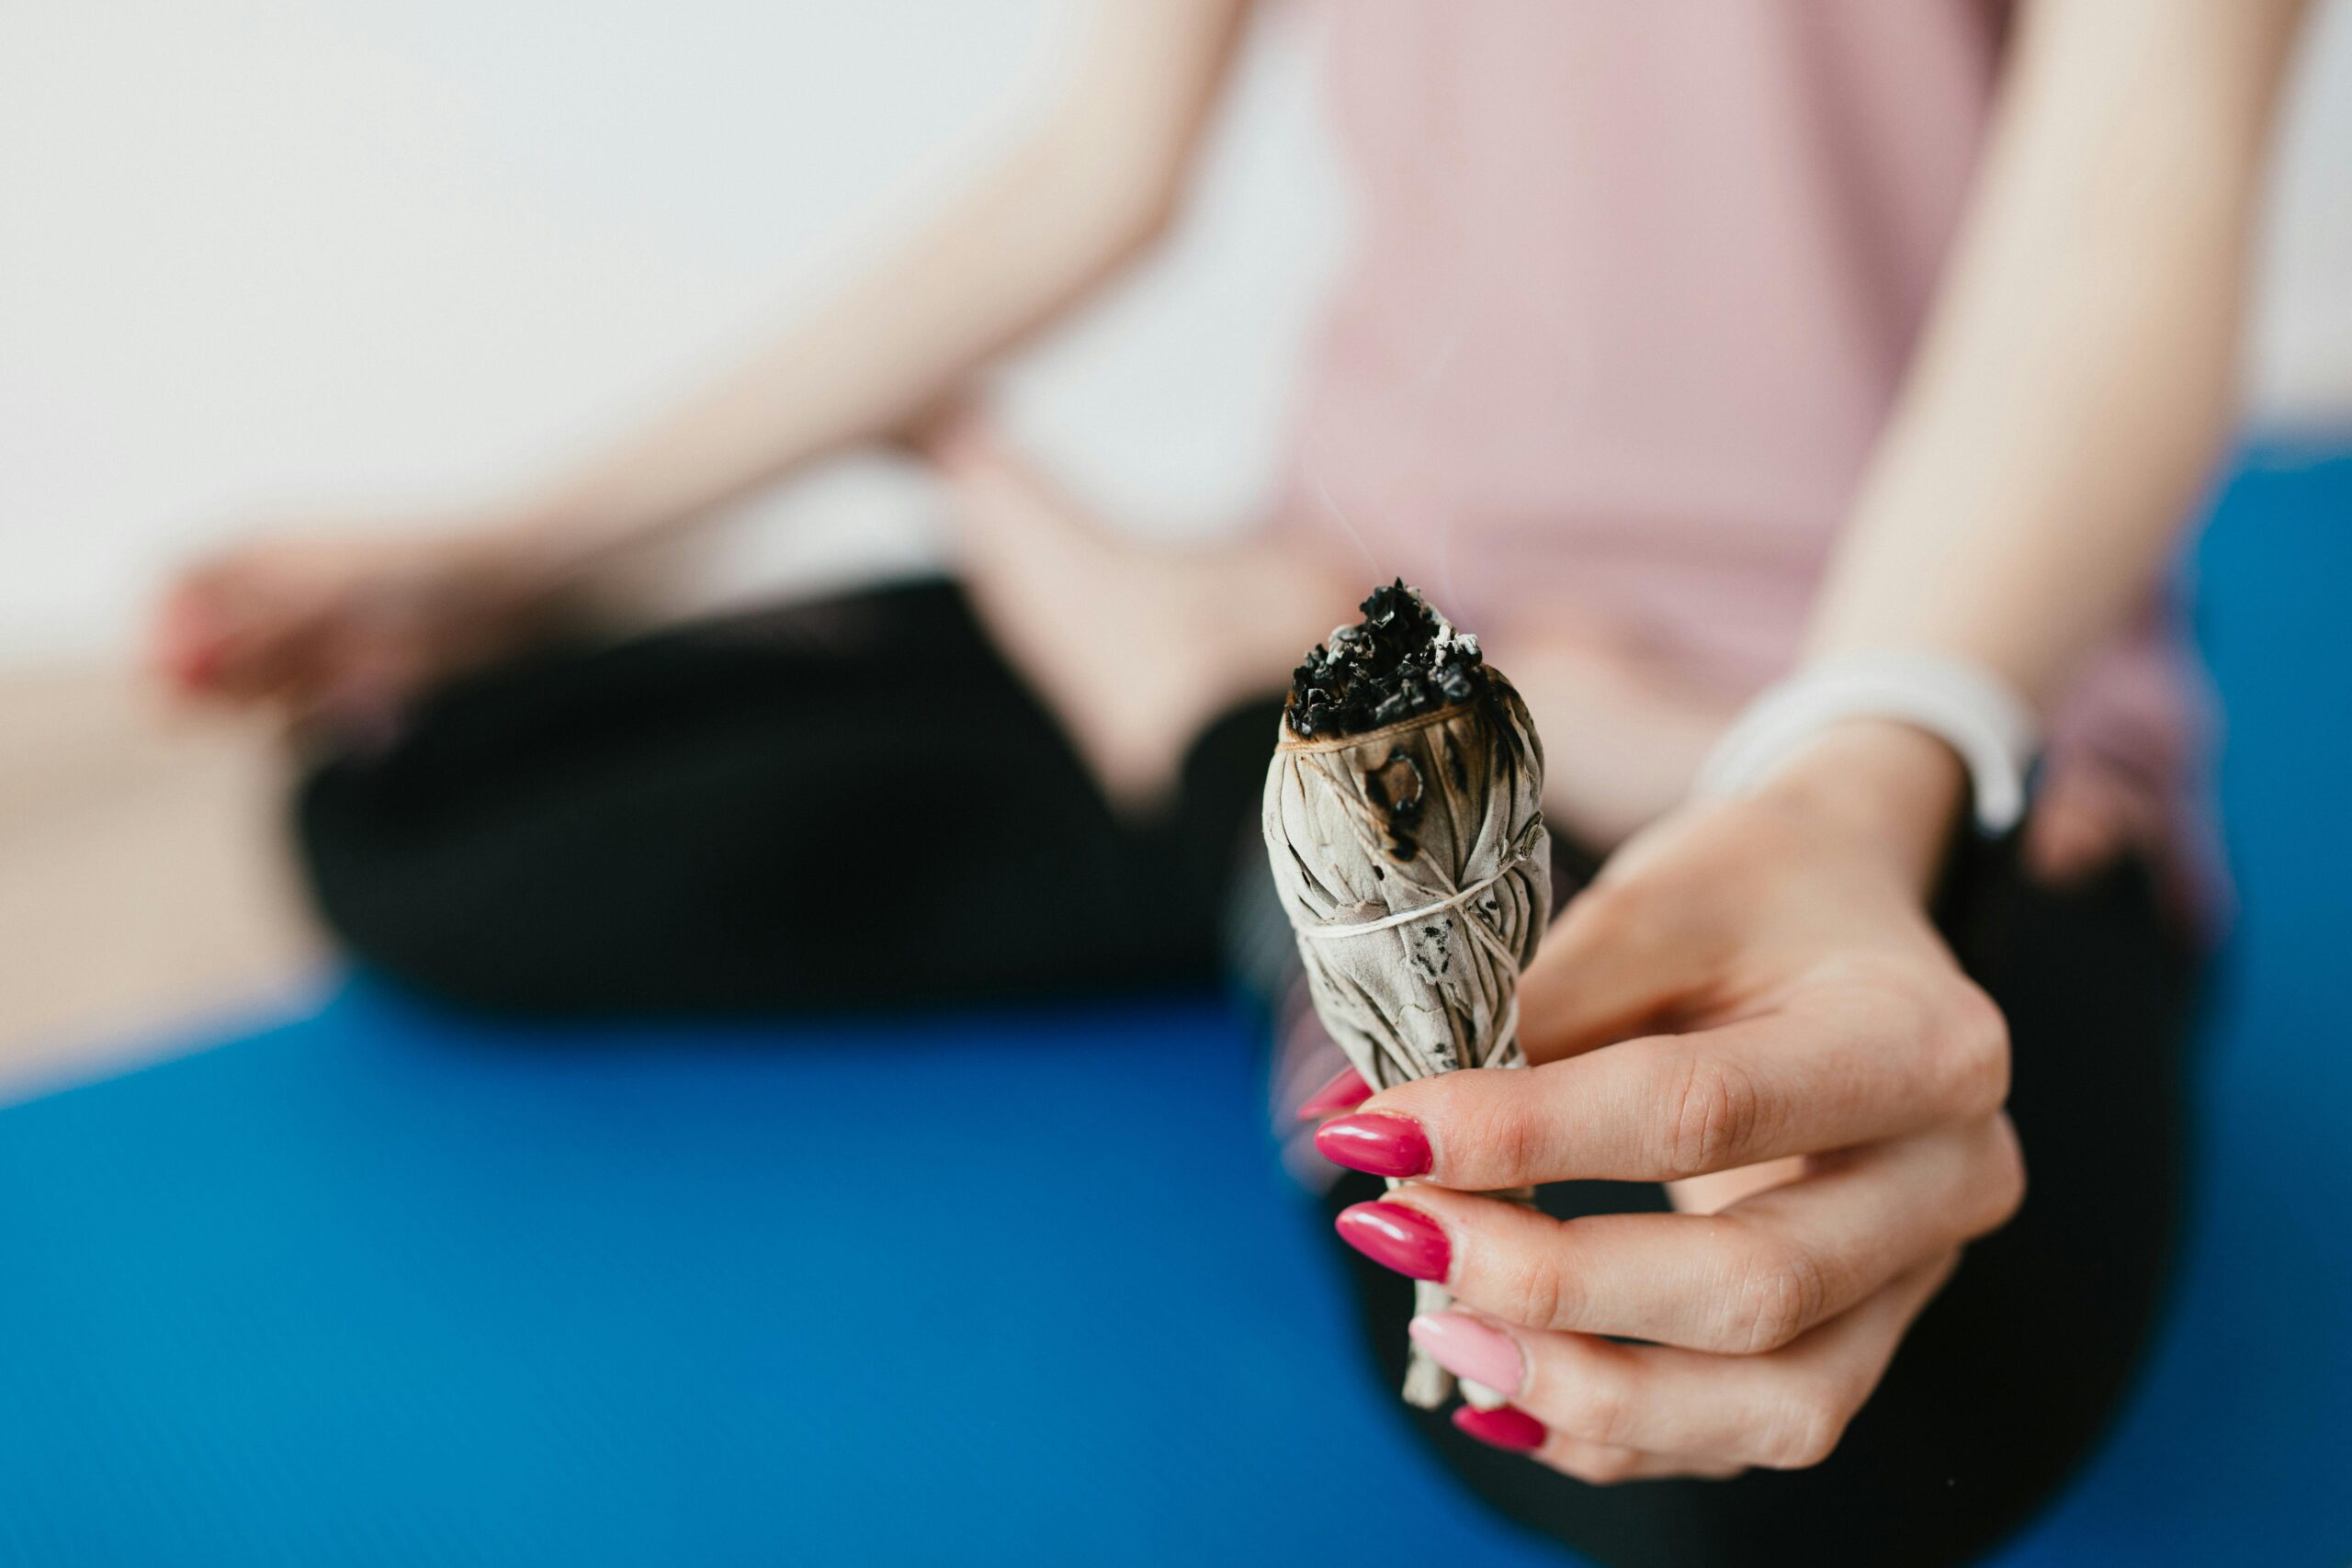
x,y
1079,198
1750,998
343,624
2078,378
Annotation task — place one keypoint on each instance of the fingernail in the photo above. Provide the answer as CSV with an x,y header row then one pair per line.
x,y
1396,1237
189,665
1469,1349
1346,1090
188,652
1384,1145
1503,1427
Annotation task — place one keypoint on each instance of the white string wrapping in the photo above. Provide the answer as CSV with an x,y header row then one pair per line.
x,y
1334,934
1413,863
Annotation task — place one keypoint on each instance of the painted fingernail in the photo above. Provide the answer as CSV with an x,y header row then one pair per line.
x,y
1343,1092
1396,1237
1469,1349
1384,1145
1503,1427
186,648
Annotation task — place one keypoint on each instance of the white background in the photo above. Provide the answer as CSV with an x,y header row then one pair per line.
x,y
258,257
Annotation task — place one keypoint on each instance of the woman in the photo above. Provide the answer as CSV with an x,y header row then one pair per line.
x,y
1688,350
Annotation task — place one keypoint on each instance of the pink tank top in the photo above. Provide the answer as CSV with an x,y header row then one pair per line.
x,y
1637,283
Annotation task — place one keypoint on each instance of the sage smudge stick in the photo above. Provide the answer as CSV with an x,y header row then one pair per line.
x,y
1403,820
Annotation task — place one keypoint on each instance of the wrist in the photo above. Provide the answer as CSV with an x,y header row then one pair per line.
x,y
538,547
1907,717
1890,790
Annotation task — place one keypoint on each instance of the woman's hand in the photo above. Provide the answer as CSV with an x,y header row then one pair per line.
x,y
343,629
1749,1002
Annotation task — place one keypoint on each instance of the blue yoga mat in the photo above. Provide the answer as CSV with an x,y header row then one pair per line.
x,y
388,1285
392,1285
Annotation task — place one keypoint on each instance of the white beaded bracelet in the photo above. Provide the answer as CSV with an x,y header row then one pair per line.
x,y
1968,707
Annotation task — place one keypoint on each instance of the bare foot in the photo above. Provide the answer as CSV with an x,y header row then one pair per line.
x,y
1134,646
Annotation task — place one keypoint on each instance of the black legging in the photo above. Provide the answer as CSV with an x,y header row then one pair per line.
x,y
857,803
841,805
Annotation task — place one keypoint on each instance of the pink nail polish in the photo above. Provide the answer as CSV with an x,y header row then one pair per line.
x,y
1504,1427
1396,1237
1469,1349
1343,1092
1384,1145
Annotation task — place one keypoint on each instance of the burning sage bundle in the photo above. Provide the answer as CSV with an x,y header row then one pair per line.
x,y
1403,816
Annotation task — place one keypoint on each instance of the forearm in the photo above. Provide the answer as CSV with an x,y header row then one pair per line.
x,y
1071,204
2078,378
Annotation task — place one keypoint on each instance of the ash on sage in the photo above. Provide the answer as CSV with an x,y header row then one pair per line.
x,y
1401,660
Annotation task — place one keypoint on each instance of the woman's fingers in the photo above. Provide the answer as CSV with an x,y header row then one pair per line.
x,y
1748,1279
1597,1464
1874,1051
1346,1090
1784,1410
232,630
1605,1465
185,642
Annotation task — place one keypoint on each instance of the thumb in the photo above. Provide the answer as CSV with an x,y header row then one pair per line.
x,y
1621,960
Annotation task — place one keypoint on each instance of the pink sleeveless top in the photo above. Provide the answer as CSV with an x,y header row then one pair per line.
x,y
1636,287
